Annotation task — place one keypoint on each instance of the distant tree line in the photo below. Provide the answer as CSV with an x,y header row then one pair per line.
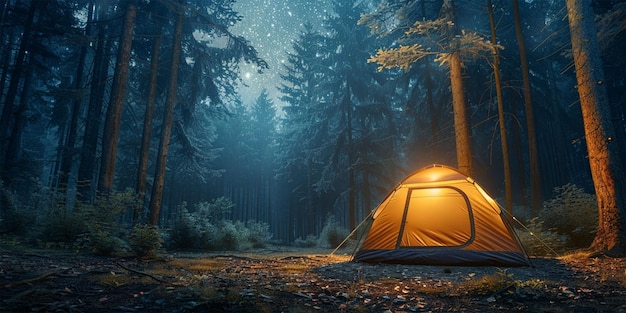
x,y
141,95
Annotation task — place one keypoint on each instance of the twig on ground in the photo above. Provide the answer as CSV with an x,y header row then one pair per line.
x,y
31,280
142,273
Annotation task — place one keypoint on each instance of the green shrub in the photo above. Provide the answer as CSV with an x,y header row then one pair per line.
x,y
332,233
572,213
228,236
14,218
145,240
309,242
188,231
522,213
258,234
241,236
214,210
104,243
204,229
105,232
62,226
539,241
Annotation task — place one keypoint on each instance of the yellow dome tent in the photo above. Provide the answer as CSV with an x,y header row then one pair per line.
x,y
439,216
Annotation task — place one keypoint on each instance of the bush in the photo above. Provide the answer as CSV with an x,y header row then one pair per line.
x,y
332,233
309,242
203,229
105,232
145,240
104,243
538,241
214,210
14,217
258,234
572,213
16,221
188,231
62,226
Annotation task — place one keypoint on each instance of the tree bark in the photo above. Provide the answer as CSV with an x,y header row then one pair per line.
x,y
462,130
508,190
159,176
603,151
93,121
461,122
8,109
114,111
68,151
351,169
147,128
533,158
14,147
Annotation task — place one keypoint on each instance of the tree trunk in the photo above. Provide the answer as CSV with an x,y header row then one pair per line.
x,y
93,121
68,151
7,52
351,175
533,158
603,151
461,122
14,147
147,128
508,190
462,130
16,76
434,116
159,176
114,111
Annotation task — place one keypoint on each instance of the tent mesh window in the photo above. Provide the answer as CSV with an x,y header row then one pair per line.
x,y
436,217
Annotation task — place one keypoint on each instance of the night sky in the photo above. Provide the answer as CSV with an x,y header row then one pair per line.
x,y
271,26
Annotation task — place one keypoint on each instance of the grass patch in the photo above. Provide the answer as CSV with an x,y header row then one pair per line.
x,y
579,255
115,280
200,265
500,284
294,268
487,285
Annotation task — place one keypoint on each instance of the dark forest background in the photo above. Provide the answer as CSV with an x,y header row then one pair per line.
x,y
151,87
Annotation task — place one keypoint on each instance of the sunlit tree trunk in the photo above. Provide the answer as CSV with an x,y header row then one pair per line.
x,y
461,122
462,129
603,151
114,111
508,191
434,116
159,175
147,128
533,158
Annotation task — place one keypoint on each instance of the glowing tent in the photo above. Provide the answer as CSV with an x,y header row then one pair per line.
x,y
438,216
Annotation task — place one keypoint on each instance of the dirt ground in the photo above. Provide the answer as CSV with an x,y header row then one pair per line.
x,y
286,279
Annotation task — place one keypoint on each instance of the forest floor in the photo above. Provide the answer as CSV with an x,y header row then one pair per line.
x,y
287,279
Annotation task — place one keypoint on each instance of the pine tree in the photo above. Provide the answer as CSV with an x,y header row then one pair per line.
x,y
442,38
301,127
606,168
114,109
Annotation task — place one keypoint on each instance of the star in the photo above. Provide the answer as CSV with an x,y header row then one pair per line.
x,y
272,26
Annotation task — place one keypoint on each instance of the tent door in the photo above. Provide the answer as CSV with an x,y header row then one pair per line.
x,y
436,217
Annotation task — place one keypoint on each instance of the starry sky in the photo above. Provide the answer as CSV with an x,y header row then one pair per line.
x,y
271,26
